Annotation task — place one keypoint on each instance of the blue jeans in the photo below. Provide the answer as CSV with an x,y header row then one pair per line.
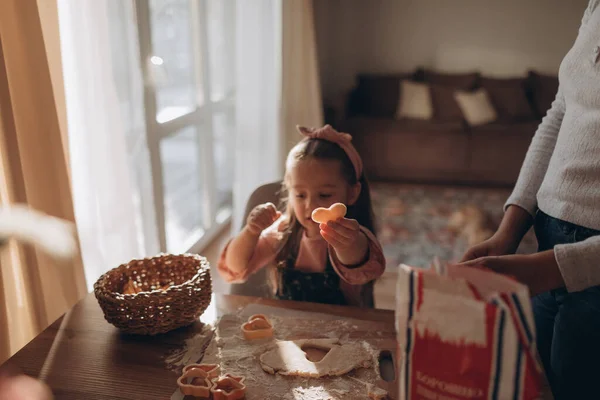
x,y
568,324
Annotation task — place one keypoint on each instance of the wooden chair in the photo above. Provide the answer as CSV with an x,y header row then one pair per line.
x,y
257,284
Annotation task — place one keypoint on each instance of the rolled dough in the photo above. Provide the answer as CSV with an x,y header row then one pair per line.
x,y
288,358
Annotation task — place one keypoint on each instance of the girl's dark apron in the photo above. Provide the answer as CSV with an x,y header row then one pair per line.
x,y
315,287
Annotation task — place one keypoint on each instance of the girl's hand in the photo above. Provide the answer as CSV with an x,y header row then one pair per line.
x,y
515,224
342,233
351,246
261,217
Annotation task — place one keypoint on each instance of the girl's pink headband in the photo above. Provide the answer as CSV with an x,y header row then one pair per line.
x,y
344,140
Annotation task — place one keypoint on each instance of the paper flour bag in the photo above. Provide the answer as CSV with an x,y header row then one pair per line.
x,y
465,333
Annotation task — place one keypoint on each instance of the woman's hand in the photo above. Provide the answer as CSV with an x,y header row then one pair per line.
x,y
515,224
497,245
346,238
539,271
261,217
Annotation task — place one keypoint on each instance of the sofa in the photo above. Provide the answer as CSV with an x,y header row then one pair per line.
x,y
445,148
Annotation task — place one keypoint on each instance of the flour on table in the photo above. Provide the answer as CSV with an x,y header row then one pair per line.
x,y
313,392
241,357
193,350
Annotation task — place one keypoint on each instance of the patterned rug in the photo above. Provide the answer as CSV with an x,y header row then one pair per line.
x,y
412,220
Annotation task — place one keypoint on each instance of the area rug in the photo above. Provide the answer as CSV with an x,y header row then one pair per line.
x,y
412,220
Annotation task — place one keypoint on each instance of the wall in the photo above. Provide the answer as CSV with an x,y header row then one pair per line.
x,y
499,38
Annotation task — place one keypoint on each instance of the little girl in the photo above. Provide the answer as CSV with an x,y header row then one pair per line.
x,y
333,263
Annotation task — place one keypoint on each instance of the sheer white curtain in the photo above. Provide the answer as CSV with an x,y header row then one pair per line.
x,y
258,138
102,187
301,88
277,88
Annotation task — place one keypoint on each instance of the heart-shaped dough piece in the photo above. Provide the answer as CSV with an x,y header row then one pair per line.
x,y
323,215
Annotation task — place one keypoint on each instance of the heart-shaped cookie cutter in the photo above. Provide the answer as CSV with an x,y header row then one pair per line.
x,y
228,387
195,382
258,316
257,327
212,370
323,215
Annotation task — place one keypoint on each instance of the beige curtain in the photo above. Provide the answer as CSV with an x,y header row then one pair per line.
x,y
34,290
301,88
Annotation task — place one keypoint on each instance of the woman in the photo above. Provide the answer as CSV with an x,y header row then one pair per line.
x,y
558,191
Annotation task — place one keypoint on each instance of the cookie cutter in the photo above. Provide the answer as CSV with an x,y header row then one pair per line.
x,y
195,382
228,387
257,327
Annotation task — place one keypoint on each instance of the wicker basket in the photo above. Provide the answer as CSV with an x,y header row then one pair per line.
x,y
174,291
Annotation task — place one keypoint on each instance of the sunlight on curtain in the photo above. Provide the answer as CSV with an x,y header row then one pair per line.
x,y
102,125
258,140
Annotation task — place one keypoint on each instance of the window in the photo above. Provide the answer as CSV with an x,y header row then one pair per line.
x,y
173,62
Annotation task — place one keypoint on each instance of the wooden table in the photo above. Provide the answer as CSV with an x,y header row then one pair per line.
x,y
81,356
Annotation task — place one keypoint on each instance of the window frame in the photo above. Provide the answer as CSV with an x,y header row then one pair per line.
x,y
214,219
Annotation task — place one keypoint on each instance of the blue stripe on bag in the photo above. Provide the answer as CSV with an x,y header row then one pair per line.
x,y
522,319
499,354
517,383
411,300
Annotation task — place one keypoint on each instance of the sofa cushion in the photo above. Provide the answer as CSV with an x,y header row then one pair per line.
x,y
527,129
409,149
498,150
509,97
463,81
543,91
366,125
445,107
378,95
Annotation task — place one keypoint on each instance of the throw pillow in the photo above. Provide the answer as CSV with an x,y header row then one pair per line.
x,y
415,101
476,107
509,97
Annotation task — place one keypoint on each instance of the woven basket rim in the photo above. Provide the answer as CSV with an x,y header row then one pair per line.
x,y
100,289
